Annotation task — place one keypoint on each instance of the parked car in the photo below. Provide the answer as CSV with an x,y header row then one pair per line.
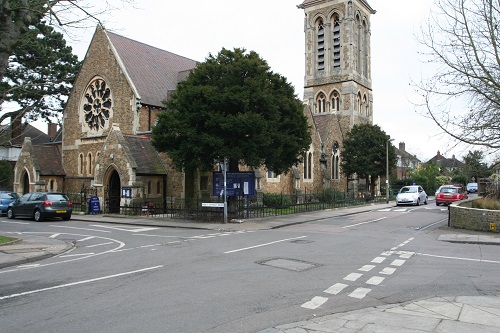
x,y
449,194
411,195
439,189
471,188
6,197
41,205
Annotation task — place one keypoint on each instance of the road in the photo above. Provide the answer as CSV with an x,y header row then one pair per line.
x,y
122,278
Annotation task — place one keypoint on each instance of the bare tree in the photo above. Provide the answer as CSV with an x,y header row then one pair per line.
x,y
16,16
462,95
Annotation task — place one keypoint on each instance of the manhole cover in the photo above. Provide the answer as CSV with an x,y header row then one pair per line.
x,y
290,264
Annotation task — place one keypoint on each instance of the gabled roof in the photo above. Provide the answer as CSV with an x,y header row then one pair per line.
x,y
153,71
15,138
145,156
446,162
48,160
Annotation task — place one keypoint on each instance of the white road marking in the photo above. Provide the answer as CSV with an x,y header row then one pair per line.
x,y
353,276
156,236
459,258
378,260
360,293
384,210
76,255
256,246
366,268
315,303
95,245
398,262
64,226
400,210
15,222
79,282
375,280
129,229
407,255
143,246
354,225
336,288
86,238
387,271
54,235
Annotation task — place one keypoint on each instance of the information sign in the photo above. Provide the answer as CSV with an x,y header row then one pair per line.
x,y
237,184
94,205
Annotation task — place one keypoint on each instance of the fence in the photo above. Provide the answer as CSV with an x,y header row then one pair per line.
x,y
246,207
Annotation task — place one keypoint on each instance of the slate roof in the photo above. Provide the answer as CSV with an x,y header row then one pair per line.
x,y
48,160
37,136
446,162
145,156
153,71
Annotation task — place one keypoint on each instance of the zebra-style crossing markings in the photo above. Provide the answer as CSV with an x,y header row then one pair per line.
x,y
361,292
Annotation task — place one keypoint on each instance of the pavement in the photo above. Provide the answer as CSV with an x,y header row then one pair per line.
x,y
436,314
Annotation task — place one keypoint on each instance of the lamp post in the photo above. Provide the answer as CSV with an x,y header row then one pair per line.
x,y
387,170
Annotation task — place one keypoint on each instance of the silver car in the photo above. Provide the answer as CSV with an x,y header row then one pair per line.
x,y
411,195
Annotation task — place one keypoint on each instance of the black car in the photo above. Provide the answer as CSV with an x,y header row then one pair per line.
x,y
41,205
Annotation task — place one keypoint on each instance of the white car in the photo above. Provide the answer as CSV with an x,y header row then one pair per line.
x,y
411,195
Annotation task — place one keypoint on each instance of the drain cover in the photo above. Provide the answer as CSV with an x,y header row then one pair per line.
x,y
289,264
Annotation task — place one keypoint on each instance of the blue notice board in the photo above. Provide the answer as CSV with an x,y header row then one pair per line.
x,y
237,183
94,205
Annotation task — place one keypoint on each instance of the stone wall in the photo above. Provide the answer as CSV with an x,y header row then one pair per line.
x,y
463,216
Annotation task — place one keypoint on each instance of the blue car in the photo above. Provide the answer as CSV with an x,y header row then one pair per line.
x,y
6,198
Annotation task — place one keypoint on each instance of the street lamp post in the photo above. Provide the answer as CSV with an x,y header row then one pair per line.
x,y
387,170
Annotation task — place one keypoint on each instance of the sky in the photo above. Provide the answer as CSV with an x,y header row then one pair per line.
x,y
275,30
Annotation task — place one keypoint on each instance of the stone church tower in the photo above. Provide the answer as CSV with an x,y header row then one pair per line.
x,y
338,85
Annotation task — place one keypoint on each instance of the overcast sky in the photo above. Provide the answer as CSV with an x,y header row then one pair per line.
x,y
275,30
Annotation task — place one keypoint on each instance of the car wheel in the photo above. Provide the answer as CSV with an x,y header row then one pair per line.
x,y
418,202
425,202
38,216
10,213
437,203
66,218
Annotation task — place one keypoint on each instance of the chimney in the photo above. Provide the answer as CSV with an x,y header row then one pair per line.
x,y
438,156
402,146
16,129
52,131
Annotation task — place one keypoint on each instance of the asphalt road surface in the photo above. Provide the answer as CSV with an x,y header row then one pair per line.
x,y
122,278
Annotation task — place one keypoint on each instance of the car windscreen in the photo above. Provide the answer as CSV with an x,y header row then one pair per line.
x,y
57,197
408,190
8,196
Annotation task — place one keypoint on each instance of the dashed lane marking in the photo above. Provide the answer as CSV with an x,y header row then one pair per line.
x,y
398,262
353,276
387,271
315,303
360,293
378,260
375,280
336,288
366,268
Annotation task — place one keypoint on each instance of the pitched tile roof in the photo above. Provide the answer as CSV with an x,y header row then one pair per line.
x,y
145,156
153,71
48,160
25,130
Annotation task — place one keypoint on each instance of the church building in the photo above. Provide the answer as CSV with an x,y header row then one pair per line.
x,y
104,143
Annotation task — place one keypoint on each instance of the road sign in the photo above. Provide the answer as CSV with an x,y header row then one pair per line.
x,y
212,204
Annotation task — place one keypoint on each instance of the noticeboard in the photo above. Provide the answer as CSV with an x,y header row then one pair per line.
x,y
237,184
94,205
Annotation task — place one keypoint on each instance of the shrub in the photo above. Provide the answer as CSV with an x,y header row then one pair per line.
x,y
276,200
486,203
327,195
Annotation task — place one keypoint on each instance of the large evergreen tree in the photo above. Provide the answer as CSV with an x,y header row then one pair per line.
x,y
40,75
232,105
365,153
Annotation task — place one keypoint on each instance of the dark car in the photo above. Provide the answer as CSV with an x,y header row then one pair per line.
x,y
41,205
449,194
6,197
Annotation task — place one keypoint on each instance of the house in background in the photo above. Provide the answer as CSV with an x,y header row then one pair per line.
x,y
405,161
447,164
